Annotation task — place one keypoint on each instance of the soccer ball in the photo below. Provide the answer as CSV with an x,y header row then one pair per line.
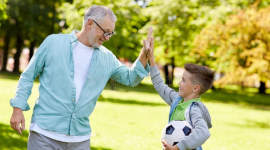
x,y
175,131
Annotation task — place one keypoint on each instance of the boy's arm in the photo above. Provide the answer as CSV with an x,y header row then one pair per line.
x,y
199,134
166,93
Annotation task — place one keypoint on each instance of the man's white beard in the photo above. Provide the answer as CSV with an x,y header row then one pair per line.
x,y
91,41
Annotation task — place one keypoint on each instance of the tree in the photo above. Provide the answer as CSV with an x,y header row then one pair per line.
x,y
43,20
238,47
28,22
177,23
3,6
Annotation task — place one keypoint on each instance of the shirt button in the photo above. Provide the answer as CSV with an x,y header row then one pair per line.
x,y
71,73
73,114
73,85
73,99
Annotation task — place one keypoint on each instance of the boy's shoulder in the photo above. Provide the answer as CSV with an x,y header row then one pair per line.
x,y
203,110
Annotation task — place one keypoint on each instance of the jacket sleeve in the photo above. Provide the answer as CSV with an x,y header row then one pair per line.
x,y
166,93
199,134
28,76
129,76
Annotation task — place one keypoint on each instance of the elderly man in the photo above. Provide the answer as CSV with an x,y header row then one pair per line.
x,y
73,70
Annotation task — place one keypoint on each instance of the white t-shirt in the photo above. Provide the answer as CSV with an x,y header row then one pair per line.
x,y
82,56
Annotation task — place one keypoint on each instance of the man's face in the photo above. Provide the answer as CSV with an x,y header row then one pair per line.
x,y
95,35
185,85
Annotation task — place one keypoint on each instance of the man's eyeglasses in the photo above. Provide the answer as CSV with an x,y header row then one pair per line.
x,y
105,34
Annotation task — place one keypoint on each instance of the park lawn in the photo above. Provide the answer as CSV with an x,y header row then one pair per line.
x,y
133,118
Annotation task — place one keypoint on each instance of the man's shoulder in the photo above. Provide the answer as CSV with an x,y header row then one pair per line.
x,y
57,36
52,38
103,49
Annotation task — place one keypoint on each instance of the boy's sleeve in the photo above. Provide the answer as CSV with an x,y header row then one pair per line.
x,y
129,76
199,134
28,76
166,93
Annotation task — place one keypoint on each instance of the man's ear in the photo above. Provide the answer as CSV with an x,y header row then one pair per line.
x,y
197,88
90,23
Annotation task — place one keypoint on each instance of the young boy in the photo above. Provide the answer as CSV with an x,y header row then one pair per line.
x,y
186,103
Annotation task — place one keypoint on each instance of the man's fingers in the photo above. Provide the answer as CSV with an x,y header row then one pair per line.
x,y
17,128
144,46
23,124
149,34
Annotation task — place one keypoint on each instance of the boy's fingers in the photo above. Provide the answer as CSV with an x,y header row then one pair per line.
x,y
144,46
164,143
152,43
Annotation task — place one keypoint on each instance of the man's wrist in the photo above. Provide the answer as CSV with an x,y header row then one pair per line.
x,y
17,109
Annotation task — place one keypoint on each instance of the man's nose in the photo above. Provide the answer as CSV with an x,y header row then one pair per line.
x,y
107,38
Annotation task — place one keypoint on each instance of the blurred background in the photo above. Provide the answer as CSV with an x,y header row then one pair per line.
x,y
231,37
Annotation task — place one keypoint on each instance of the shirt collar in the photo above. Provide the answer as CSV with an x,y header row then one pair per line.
x,y
189,101
73,37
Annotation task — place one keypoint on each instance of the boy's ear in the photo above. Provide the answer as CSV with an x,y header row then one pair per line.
x,y
196,88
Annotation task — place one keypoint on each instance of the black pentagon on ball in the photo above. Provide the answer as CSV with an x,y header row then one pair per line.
x,y
174,143
169,130
186,130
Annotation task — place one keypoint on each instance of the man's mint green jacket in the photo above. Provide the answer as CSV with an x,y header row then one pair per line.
x,y
56,107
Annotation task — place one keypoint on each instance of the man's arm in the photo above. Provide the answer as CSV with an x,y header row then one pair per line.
x,y
133,76
24,87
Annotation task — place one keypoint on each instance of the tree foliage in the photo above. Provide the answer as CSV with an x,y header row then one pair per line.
x,y
27,24
238,47
3,6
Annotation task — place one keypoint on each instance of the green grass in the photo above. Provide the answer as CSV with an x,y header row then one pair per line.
x,y
133,118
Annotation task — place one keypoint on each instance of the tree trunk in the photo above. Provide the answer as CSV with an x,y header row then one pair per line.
x,y
167,75
172,74
5,54
19,44
31,49
262,87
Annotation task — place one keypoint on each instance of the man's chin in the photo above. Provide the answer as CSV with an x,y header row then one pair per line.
x,y
96,45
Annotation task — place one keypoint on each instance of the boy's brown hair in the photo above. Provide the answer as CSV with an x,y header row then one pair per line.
x,y
201,75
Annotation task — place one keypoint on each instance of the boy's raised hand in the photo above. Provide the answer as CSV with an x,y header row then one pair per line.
x,y
150,54
168,147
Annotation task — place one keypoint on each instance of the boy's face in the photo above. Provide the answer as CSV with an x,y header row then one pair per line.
x,y
185,85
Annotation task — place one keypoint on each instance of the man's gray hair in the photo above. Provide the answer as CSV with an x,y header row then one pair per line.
x,y
98,13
